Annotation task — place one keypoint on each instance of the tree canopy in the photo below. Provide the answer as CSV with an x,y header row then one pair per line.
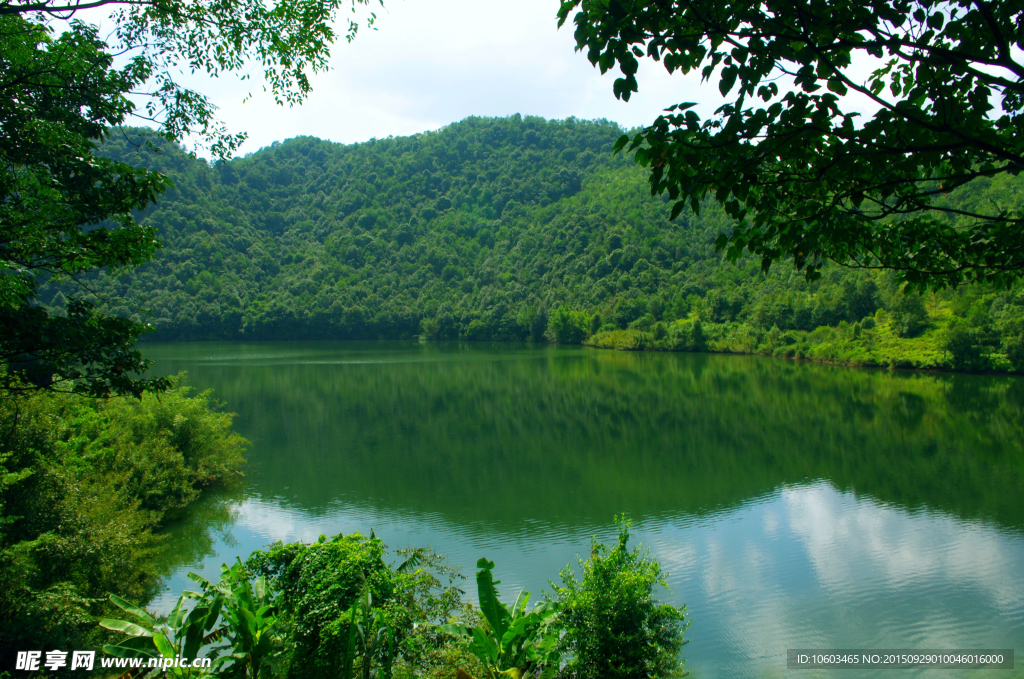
x,y
802,172
64,211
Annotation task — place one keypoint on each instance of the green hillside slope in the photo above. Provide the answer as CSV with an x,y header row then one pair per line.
x,y
508,229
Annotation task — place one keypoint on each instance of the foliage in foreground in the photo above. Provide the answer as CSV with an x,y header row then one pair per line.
x,y
83,484
805,173
320,586
613,626
336,608
233,622
511,642
64,212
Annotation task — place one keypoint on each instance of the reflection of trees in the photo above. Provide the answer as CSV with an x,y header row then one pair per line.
x,y
500,433
188,538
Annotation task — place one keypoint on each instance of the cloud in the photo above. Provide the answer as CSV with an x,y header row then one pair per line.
x,y
814,567
430,63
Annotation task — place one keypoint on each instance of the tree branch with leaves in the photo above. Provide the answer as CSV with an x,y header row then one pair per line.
x,y
803,174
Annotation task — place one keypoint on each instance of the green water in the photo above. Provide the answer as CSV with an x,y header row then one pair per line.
x,y
793,505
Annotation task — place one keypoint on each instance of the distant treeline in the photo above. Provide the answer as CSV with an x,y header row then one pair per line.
x,y
509,229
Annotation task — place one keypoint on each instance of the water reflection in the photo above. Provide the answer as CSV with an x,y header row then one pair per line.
x,y
794,505
813,567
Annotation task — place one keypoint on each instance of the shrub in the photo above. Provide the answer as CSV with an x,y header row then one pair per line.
x,y
697,339
687,336
645,322
569,326
318,584
965,353
908,314
1014,347
510,641
613,626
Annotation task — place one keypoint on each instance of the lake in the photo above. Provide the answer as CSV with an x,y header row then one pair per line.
x,y
792,505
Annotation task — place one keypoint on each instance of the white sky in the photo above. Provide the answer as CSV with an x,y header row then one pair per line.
x,y
430,63
434,62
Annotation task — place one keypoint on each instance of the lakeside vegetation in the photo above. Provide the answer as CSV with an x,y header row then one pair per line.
x,y
337,608
84,486
513,229
970,331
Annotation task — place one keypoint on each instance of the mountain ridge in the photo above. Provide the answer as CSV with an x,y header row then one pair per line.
x,y
505,229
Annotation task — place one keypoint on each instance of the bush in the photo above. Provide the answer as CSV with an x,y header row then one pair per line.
x,y
317,585
697,340
514,642
909,317
964,351
644,323
568,326
687,336
1014,348
613,626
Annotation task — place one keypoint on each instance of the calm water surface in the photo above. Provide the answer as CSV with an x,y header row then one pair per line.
x,y
793,505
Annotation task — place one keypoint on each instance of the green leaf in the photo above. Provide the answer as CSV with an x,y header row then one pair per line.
x,y
728,79
455,629
164,646
484,647
128,628
676,209
137,611
200,580
132,648
194,634
520,604
494,611
416,558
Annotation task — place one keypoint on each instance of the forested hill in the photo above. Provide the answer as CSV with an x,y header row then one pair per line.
x,y
481,230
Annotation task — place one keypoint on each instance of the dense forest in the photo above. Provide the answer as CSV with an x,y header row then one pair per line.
x,y
510,229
